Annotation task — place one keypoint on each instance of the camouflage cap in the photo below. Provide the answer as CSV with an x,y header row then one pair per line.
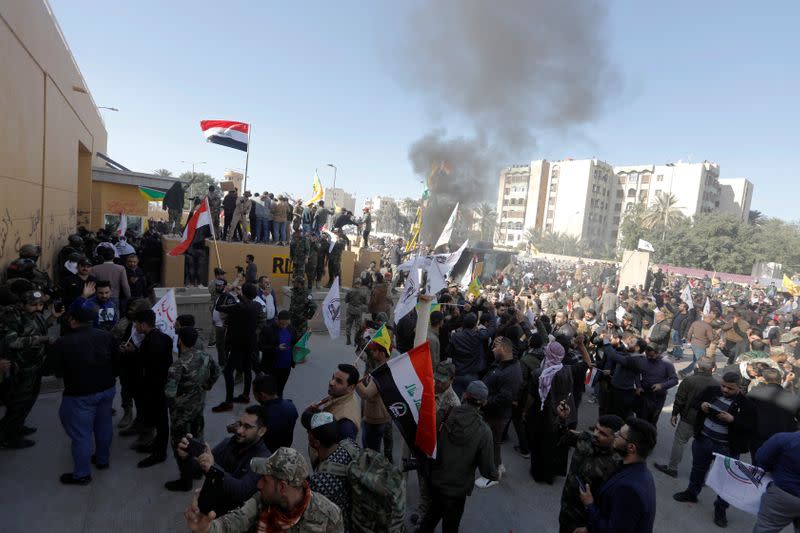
x,y
445,371
285,464
627,316
786,338
33,297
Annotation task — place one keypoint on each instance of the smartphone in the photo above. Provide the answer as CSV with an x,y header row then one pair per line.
x,y
195,448
581,484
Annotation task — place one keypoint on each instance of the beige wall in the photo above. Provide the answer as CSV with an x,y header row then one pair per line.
x,y
115,198
43,124
633,269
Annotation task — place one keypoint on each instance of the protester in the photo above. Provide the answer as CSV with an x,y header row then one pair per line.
x,y
280,413
627,500
657,377
85,360
284,502
466,350
778,409
376,426
275,343
780,504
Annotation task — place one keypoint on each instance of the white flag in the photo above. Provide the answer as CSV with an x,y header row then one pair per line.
x,y
466,279
166,310
444,238
331,308
644,245
333,237
435,281
686,296
738,483
446,261
707,307
408,299
122,227
620,313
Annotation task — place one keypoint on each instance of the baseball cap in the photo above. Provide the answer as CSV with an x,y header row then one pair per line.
x,y
445,370
478,390
83,261
285,464
33,297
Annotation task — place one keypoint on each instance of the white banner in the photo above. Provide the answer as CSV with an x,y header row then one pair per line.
x,y
166,311
738,483
645,245
444,238
331,310
707,306
408,299
686,296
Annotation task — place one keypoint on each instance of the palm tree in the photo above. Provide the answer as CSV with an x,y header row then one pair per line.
x,y
755,217
487,218
162,172
663,212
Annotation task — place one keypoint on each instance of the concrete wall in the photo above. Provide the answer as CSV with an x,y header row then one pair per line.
x,y
49,133
113,199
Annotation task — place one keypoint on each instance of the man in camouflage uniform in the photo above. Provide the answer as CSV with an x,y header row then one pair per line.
x,y
215,205
322,258
190,376
284,489
298,253
311,262
594,462
627,325
24,342
301,306
335,259
21,268
356,300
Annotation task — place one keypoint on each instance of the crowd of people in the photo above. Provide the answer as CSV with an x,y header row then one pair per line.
x,y
527,351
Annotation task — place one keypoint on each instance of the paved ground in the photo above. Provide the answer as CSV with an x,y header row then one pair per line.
x,y
126,499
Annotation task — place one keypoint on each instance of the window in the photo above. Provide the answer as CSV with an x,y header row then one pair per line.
x,y
550,213
628,206
618,206
631,193
620,194
505,202
660,177
134,223
616,221
645,178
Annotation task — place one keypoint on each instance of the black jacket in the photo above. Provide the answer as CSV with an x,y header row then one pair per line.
x,y
243,320
154,359
466,349
504,379
744,414
778,410
659,336
86,359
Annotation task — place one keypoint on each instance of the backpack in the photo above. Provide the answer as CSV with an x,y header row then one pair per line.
x,y
377,490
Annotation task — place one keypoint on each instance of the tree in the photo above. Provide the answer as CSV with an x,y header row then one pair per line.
x,y
388,219
199,186
662,214
487,219
162,172
755,217
632,227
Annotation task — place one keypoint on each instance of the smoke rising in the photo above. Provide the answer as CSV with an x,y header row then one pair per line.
x,y
510,70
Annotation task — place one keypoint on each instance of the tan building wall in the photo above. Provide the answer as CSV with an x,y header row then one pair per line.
x,y
115,198
50,132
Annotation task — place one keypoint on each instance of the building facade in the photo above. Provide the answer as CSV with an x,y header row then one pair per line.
x,y
520,201
341,198
736,194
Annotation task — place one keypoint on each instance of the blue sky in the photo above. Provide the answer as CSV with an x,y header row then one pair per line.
x,y
708,80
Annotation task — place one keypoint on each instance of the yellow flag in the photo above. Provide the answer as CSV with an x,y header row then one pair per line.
x,y
317,191
714,280
474,287
415,227
789,285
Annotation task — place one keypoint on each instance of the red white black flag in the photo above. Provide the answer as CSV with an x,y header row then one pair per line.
x,y
227,133
406,387
200,218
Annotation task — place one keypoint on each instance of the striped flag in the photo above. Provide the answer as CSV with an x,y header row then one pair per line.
x,y
227,133
302,349
152,195
316,191
406,388
383,338
200,218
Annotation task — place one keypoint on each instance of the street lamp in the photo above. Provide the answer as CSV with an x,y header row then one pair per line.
x,y
334,183
109,108
193,163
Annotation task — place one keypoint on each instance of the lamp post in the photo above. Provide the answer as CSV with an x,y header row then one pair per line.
x,y
334,183
109,108
193,163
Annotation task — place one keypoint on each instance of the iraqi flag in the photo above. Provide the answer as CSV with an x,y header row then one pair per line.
x,y
227,133
406,387
200,219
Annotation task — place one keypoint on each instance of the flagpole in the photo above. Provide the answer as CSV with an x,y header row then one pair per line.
x,y
247,158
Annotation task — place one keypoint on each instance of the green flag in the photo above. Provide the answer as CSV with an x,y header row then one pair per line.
x,y
301,349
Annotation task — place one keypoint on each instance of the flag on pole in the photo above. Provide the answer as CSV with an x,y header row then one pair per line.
x,y
591,377
714,280
686,296
406,387
444,238
415,229
645,245
152,195
227,133
408,299
200,218
790,286
302,348
122,227
466,279
738,483
475,287
383,338
331,307
317,191
707,307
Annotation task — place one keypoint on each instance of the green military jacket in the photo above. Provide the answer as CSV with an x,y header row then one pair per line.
x,y
24,338
321,516
191,374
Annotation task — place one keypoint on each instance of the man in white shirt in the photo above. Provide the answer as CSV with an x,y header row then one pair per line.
x,y
267,298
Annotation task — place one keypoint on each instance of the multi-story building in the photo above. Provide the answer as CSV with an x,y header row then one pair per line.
x,y
735,197
520,200
695,186
341,198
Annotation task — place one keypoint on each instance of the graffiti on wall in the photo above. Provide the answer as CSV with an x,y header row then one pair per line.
x,y
122,206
